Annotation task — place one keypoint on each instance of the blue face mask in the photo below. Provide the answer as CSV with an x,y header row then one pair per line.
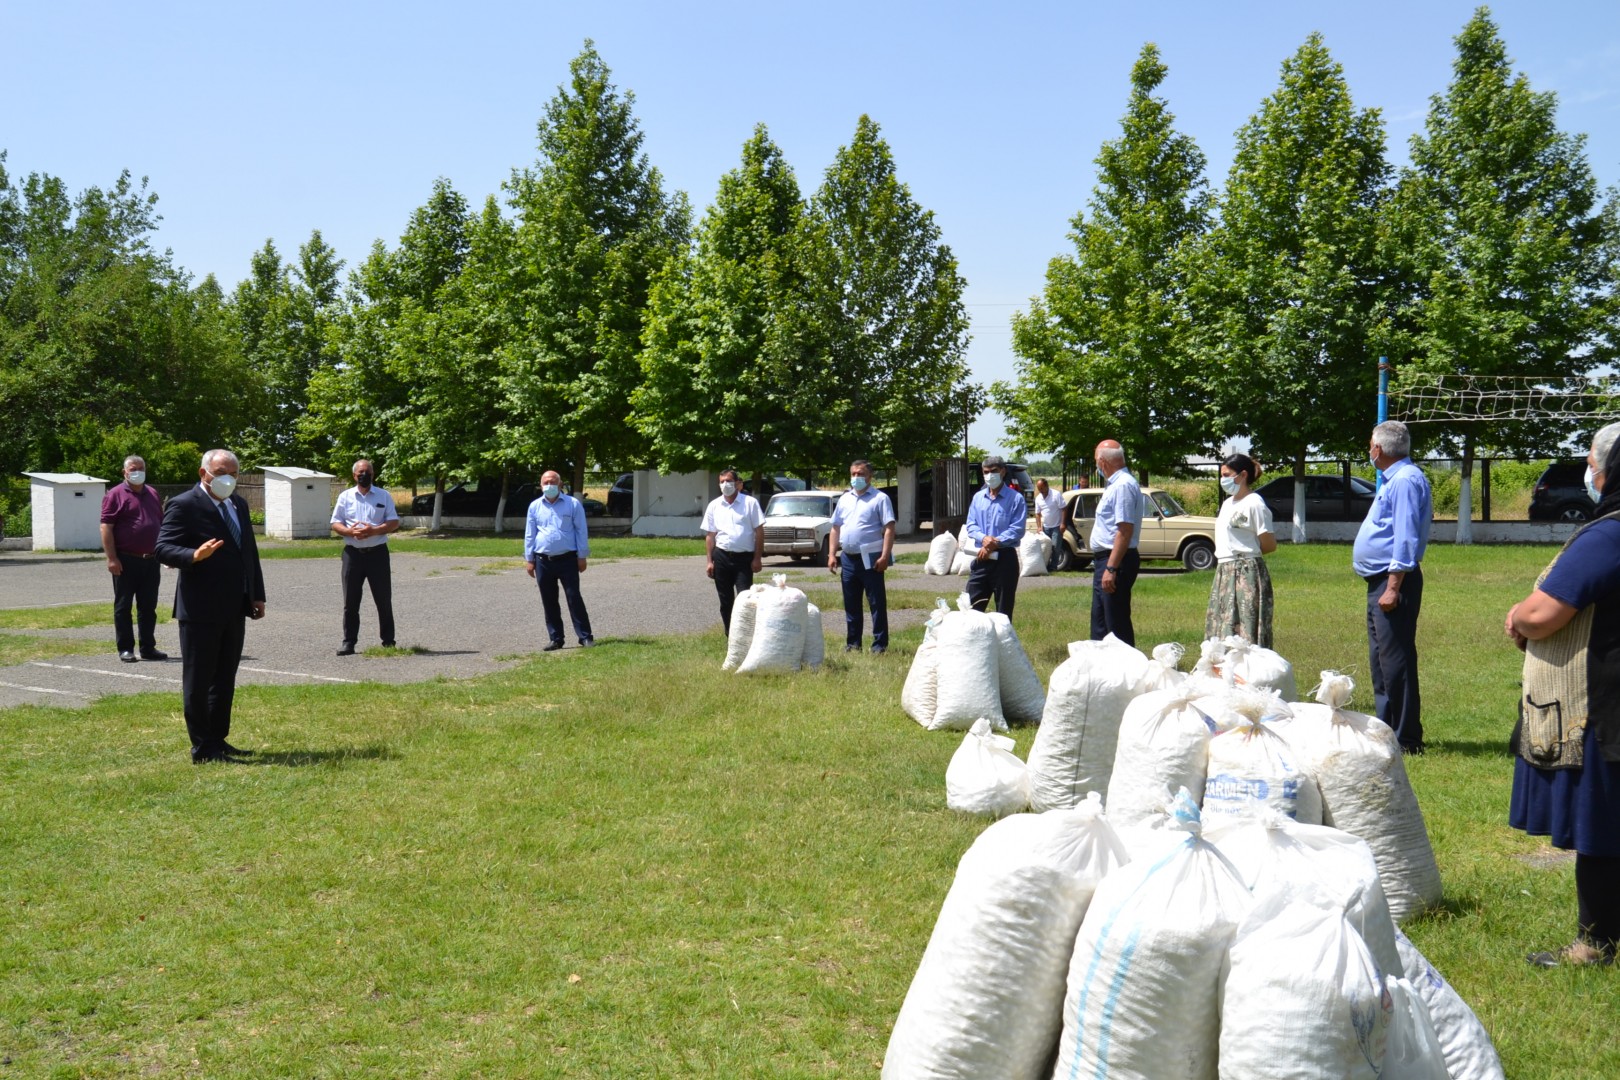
x,y
1591,486
858,483
550,491
1229,485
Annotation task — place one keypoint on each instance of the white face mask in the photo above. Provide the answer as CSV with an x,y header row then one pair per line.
x,y
550,491
728,488
858,483
992,480
1591,486
222,485
1229,484
137,476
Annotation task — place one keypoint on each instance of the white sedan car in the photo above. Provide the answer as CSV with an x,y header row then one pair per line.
x,y
797,524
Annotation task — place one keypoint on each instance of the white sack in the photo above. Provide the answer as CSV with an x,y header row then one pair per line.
x,y
1074,748
941,553
962,564
1022,695
987,998
967,681
1414,1048
1357,764
742,627
815,637
1239,662
1163,746
778,644
985,776
1301,995
1034,551
918,695
1161,671
1272,852
1469,1052
1145,975
1252,764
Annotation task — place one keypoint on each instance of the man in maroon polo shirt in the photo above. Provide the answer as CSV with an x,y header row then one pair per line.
x,y
130,516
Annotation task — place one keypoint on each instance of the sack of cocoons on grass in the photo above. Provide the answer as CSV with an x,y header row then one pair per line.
x,y
1251,762
985,776
1144,979
987,998
1467,1048
941,554
1163,746
1365,791
1239,662
1086,698
966,549
1022,695
773,626
1414,1051
1300,994
1034,552
1162,670
955,677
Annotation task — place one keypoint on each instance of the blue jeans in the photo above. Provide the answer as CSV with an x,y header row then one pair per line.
x,y
857,579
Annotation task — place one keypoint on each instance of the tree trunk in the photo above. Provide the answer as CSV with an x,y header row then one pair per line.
x,y
500,504
438,502
578,477
1299,497
1465,494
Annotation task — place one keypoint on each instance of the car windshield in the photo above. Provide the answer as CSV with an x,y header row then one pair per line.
x,y
799,506
1167,504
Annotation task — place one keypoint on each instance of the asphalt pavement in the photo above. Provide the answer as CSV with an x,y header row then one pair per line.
x,y
467,616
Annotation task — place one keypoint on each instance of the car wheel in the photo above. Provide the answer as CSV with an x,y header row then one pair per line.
x,y
1198,555
1573,512
1063,560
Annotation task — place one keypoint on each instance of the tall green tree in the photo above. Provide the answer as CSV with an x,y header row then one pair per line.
x,y
725,349
594,228
1105,351
1291,293
1512,249
888,300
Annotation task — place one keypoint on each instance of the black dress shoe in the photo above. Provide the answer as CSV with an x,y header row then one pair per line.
x,y
206,756
389,645
153,654
588,643
552,646
227,748
127,656
345,649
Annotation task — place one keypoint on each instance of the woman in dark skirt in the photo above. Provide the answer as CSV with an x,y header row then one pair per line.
x,y
1566,777
1240,599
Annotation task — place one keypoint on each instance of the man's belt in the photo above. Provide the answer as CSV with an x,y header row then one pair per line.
x,y
136,555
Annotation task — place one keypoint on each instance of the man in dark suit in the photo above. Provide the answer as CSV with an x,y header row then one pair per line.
x,y
207,536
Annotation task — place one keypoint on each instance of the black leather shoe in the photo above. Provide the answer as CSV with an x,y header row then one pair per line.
x,y
127,656
227,748
345,649
587,643
389,645
153,654
552,646
852,648
211,755
879,650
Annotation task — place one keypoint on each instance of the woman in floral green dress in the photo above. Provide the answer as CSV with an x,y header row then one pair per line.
x,y
1240,600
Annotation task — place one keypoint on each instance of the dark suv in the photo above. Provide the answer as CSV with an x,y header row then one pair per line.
x,y
477,499
1560,494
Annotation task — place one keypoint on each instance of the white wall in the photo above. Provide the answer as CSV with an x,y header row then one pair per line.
x,y
671,505
67,517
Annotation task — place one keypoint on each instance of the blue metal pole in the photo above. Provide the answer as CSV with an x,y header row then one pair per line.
x,y
1383,408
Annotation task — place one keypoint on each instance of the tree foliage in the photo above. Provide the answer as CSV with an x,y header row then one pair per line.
x,y
1105,351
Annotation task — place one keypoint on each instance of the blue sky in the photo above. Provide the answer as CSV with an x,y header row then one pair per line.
x,y
262,121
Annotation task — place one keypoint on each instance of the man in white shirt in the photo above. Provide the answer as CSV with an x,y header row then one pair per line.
x,y
860,548
734,539
364,516
1115,560
1049,514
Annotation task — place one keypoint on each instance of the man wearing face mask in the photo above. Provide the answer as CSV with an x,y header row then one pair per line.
x,y
995,524
860,547
1115,533
734,539
364,516
555,540
207,536
130,514
1387,555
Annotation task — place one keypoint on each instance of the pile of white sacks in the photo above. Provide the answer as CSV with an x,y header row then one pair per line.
x,y
949,554
774,629
1242,927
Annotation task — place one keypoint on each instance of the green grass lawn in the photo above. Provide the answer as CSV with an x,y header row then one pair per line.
x,y
623,863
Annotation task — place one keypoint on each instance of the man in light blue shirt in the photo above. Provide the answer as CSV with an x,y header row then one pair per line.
x,y
1115,533
860,548
555,540
1388,555
995,524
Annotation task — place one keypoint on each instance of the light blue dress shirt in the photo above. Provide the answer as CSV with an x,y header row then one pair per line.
x,y
1395,533
555,528
1002,515
1121,502
860,520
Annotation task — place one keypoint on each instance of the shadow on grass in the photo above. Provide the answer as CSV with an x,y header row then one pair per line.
x,y
342,756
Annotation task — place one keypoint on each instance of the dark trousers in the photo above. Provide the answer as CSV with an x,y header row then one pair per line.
x,y
1111,612
733,573
1392,656
858,579
994,578
1597,891
554,570
137,585
362,566
210,653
